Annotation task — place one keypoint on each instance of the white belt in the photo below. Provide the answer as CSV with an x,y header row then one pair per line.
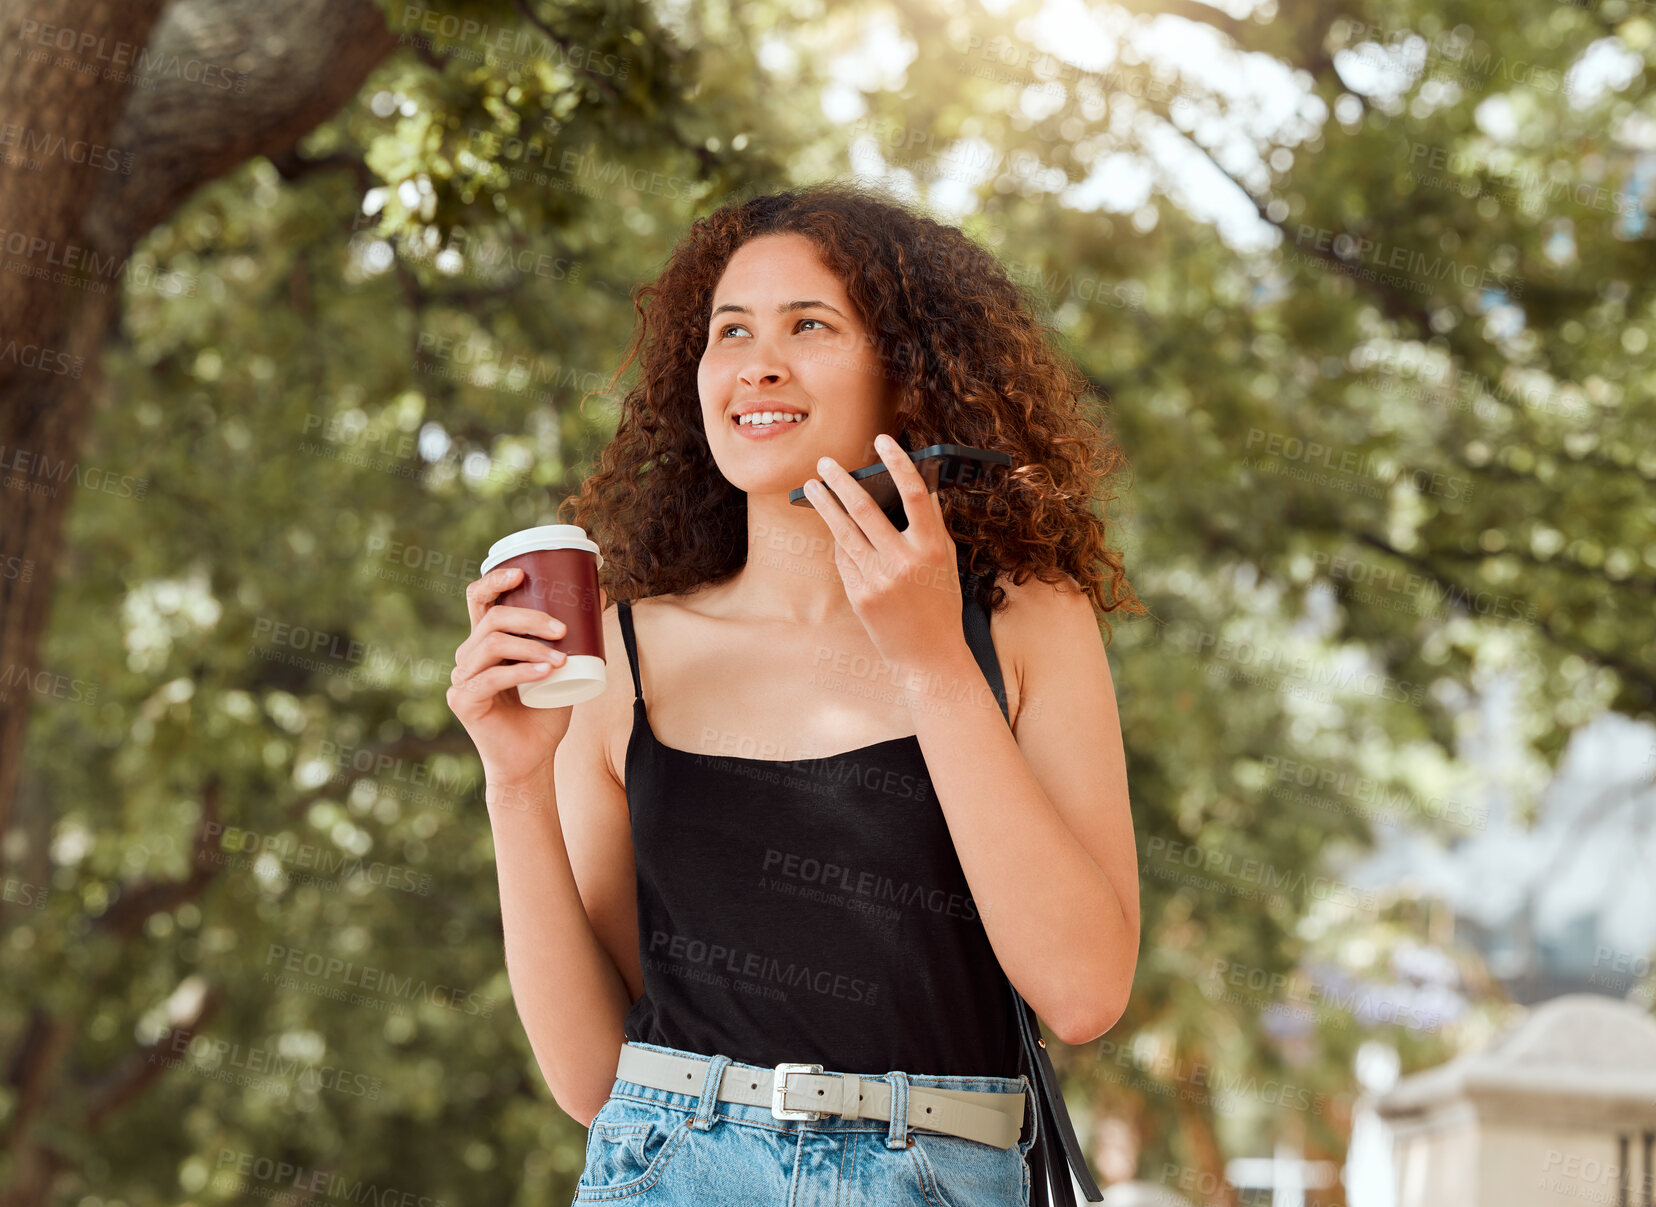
x,y
804,1091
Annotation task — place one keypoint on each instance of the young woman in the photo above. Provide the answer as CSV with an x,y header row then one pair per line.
x,y
860,774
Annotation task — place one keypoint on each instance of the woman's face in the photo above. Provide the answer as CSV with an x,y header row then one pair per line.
x,y
784,334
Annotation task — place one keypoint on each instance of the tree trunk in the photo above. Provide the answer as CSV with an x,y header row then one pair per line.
x,y
91,166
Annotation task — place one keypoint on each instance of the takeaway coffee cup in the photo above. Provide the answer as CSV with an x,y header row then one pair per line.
x,y
560,577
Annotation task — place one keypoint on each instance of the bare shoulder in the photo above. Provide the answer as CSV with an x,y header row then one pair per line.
x,y
1029,598
1036,615
613,711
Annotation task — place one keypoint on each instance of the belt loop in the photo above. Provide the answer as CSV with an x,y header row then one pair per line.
x,y
897,1133
851,1095
711,1084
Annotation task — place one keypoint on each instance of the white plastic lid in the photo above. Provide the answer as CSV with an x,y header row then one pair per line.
x,y
546,536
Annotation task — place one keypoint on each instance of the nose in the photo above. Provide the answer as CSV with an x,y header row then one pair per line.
x,y
763,367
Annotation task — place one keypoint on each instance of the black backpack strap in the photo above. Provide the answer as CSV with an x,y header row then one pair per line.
x,y
974,617
1056,1151
1050,1162
624,609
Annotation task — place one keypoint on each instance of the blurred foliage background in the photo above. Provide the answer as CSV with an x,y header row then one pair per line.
x,y
1366,284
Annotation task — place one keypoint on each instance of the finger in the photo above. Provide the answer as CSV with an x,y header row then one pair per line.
x,y
496,647
916,496
828,507
497,678
529,621
864,518
481,593
911,484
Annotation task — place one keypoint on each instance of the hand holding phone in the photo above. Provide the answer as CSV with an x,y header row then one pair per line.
x,y
939,464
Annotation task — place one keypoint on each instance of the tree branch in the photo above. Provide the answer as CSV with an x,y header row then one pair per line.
x,y
709,160
142,897
293,166
1637,679
406,749
1233,28
147,1065
291,65
43,1043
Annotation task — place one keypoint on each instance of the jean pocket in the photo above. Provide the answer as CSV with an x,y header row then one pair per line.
x,y
956,1172
628,1147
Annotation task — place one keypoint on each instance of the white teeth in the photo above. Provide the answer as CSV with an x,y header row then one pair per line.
x,y
761,418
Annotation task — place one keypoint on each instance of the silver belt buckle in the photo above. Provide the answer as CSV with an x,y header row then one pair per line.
x,y
779,1085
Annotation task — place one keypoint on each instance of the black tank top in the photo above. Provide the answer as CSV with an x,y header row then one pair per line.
x,y
812,909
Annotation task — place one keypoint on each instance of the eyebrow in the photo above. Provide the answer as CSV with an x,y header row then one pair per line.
x,y
781,308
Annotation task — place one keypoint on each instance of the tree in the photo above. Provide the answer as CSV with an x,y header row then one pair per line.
x,y
347,365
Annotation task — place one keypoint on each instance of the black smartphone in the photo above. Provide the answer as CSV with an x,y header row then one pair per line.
x,y
939,464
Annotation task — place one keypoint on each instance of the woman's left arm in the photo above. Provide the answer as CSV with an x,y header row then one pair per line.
x,y
1040,819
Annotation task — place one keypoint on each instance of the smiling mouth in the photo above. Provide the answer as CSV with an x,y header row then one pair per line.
x,y
757,418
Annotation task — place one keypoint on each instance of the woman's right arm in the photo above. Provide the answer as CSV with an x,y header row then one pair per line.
x,y
569,995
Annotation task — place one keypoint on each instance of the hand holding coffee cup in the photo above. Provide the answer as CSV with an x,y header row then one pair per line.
x,y
536,621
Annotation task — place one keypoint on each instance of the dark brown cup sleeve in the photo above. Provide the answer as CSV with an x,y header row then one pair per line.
x,y
562,583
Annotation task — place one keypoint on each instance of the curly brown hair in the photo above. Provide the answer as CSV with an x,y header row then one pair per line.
x,y
957,338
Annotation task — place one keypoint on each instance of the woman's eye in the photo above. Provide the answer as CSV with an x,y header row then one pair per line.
x,y
729,327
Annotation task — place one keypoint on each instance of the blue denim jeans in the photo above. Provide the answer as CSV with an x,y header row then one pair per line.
x,y
667,1149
